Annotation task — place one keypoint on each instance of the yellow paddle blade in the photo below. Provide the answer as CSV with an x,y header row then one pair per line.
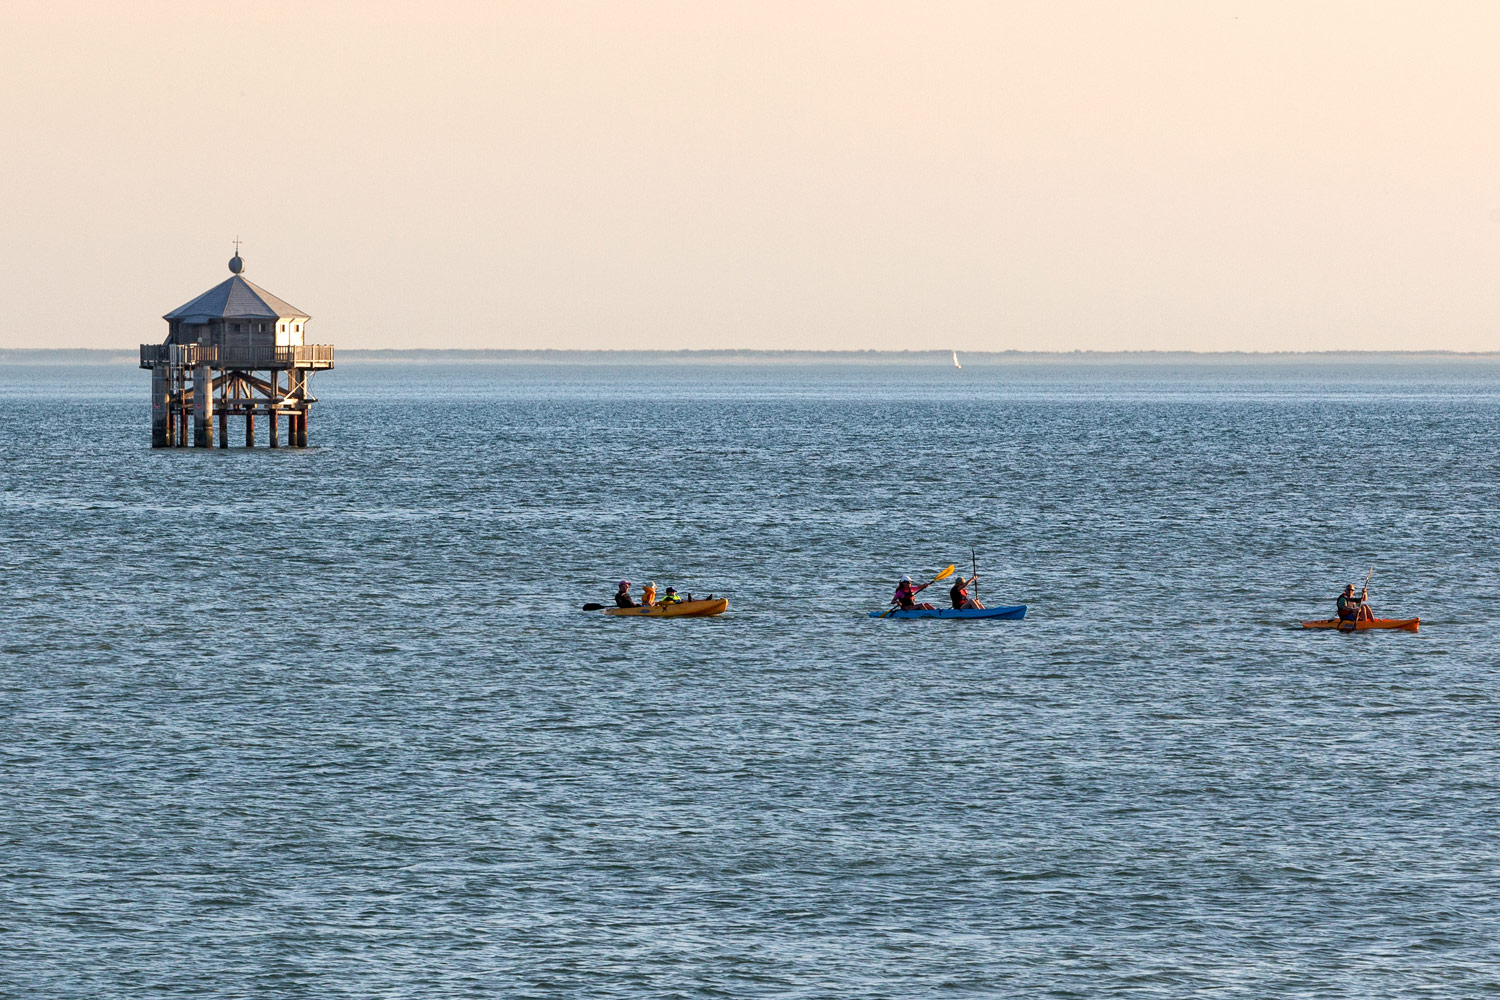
x,y
943,575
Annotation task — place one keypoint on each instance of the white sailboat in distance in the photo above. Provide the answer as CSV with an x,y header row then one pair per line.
x,y
955,361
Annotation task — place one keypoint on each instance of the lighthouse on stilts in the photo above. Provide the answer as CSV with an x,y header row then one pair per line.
x,y
236,350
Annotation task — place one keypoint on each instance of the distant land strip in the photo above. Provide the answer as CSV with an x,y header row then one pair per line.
x,y
105,356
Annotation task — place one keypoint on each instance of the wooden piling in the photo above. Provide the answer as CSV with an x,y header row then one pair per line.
x,y
249,428
160,403
177,407
203,407
302,429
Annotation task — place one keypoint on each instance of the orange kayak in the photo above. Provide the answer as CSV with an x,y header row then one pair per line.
x,y
1404,624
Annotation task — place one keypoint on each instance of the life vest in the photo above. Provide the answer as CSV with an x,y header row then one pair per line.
x,y
648,595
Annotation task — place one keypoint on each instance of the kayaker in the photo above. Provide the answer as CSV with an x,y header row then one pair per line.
x,y
648,594
906,596
622,596
1351,608
959,594
671,596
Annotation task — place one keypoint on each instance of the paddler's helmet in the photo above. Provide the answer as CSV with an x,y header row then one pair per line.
x,y
906,579
624,584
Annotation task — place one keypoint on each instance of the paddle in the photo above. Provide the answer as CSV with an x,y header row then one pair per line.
x,y
941,576
974,571
595,607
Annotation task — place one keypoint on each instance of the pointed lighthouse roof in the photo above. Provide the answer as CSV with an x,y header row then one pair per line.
x,y
235,298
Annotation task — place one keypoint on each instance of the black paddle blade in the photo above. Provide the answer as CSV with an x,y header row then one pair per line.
x,y
593,607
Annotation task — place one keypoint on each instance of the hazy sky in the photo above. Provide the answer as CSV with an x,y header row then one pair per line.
x,y
1048,175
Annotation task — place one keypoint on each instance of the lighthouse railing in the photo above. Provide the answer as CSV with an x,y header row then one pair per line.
x,y
191,355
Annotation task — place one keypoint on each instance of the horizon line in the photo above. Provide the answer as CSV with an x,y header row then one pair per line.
x,y
378,353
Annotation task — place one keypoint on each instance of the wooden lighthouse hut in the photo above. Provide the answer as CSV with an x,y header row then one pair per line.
x,y
236,350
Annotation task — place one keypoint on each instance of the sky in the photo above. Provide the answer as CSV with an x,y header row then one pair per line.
x,y
1051,176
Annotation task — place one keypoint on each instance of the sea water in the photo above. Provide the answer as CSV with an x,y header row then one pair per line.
x,y
331,723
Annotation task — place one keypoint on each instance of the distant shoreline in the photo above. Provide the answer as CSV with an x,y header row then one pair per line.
x,y
99,356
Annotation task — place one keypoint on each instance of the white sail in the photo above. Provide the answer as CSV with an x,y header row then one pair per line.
x,y
955,360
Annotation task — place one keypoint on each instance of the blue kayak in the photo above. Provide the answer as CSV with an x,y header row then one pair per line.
x,y
1012,613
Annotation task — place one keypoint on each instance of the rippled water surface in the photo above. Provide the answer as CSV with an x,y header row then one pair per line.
x,y
329,723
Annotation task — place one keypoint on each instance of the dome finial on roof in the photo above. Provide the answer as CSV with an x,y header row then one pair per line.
x,y
236,263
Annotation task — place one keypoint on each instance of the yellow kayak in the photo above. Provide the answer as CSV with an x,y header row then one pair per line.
x,y
681,609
